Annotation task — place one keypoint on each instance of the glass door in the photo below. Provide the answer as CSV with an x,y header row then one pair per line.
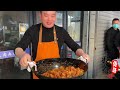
x,y
74,29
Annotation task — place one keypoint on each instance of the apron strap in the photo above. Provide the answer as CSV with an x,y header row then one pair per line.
x,y
54,32
40,34
55,36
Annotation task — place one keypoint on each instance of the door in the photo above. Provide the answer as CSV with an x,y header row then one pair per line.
x,y
74,29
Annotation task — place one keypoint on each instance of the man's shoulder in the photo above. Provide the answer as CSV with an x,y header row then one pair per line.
x,y
59,28
108,30
34,27
111,28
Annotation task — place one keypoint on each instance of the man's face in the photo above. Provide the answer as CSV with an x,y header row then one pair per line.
x,y
116,22
48,18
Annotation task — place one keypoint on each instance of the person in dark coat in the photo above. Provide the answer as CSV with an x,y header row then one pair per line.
x,y
110,40
110,45
117,42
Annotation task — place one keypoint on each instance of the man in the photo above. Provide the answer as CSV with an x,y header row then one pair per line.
x,y
110,37
47,39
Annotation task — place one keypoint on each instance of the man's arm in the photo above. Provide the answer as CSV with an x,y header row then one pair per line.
x,y
70,42
108,40
117,41
20,49
74,46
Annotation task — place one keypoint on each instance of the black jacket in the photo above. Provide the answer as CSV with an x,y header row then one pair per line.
x,y
110,39
32,36
117,41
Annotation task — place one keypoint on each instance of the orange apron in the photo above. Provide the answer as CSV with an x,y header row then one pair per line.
x,y
46,49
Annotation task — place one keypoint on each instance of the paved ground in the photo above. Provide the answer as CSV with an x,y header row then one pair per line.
x,y
102,76
9,71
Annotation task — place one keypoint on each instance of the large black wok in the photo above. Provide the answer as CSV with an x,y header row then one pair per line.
x,y
49,64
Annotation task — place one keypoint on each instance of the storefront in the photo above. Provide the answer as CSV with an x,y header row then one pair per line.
x,y
13,24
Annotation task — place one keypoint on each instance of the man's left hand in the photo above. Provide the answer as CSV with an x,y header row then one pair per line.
x,y
80,52
86,56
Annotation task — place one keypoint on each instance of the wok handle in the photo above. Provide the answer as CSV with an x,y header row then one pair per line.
x,y
83,59
31,65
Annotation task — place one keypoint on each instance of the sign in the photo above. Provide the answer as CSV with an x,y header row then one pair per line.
x,y
7,54
10,53
115,66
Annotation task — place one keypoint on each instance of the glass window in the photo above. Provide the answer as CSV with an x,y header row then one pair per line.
x,y
13,24
10,21
59,18
73,28
74,24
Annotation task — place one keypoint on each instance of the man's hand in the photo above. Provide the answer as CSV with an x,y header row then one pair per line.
x,y
23,56
80,52
24,60
86,56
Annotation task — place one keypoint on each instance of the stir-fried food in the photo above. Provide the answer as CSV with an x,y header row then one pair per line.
x,y
64,72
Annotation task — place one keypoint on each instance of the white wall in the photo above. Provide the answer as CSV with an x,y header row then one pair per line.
x,y
94,25
88,38
103,22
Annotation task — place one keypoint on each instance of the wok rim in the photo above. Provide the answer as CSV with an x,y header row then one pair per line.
x,y
43,77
